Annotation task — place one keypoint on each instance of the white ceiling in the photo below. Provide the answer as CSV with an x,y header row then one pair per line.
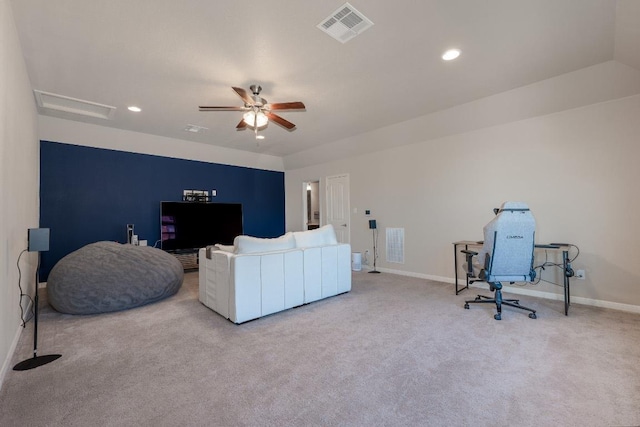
x,y
169,57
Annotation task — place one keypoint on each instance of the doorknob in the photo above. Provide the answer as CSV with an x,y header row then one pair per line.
x,y
344,225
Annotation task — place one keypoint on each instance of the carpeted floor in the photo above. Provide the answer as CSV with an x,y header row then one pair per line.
x,y
394,351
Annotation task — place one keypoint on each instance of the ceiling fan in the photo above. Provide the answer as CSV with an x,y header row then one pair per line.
x,y
258,111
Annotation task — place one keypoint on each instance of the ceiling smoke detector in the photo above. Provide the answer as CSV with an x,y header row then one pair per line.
x,y
195,129
345,23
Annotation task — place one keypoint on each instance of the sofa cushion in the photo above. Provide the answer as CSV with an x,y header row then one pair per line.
x,y
322,236
252,245
224,248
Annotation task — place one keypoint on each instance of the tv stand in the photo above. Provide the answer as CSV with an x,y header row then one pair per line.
x,y
188,259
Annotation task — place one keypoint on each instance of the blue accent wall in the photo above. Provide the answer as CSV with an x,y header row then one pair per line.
x,y
91,194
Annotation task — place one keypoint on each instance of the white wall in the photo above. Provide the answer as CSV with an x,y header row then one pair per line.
x,y
77,133
598,83
577,169
19,188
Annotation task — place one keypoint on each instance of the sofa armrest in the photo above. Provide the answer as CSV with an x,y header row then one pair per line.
x,y
214,280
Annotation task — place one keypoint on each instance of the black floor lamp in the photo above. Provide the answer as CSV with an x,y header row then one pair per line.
x,y
38,242
374,227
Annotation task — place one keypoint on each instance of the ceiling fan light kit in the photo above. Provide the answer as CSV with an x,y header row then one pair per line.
x,y
255,120
257,111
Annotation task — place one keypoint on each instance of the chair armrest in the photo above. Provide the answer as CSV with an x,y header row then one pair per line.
x,y
469,256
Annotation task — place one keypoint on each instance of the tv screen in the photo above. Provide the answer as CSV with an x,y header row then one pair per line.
x,y
188,226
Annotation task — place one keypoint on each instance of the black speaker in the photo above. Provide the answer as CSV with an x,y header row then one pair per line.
x,y
38,242
129,233
372,224
38,239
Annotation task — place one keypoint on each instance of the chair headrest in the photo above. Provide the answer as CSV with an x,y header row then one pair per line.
x,y
513,206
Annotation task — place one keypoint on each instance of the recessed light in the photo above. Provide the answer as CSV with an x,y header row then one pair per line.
x,y
451,54
134,109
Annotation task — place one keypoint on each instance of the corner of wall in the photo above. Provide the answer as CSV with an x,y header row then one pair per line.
x,y
19,166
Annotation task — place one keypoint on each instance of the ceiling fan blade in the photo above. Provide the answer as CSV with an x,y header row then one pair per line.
x,y
286,106
208,108
241,125
244,95
279,120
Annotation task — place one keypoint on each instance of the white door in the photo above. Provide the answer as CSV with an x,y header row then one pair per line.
x,y
337,206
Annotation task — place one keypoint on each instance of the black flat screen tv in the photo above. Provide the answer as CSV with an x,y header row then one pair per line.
x,y
188,226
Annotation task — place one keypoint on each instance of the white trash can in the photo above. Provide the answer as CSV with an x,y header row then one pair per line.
x,y
356,261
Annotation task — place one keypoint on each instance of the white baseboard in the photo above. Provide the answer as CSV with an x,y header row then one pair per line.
x,y
12,349
417,275
522,291
560,297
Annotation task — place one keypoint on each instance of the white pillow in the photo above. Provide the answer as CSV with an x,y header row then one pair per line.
x,y
322,236
252,245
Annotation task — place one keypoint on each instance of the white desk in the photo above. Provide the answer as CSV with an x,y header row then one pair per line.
x,y
564,248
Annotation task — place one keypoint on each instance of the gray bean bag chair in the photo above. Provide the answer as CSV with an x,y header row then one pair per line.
x,y
107,276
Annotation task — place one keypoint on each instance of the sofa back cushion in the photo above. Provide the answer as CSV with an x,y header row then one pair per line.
x,y
322,236
224,248
252,245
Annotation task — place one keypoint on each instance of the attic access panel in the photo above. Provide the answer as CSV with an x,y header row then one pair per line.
x,y
66,104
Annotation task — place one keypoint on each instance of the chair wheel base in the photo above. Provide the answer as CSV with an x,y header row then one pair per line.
x,y
500,302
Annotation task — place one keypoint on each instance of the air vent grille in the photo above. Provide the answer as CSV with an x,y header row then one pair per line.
x,y
328,23
350,19
345,23
395,245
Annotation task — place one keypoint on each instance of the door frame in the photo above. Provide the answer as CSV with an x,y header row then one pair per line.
x,y
305,211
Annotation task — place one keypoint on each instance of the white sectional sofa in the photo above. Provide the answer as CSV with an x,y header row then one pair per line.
x,y
256,277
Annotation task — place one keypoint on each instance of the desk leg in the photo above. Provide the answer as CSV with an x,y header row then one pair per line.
x,y
565,265
455,262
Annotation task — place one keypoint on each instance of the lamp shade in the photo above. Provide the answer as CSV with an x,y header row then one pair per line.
x,y
250,118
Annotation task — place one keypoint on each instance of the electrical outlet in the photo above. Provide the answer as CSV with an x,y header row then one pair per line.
x,y
580,274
